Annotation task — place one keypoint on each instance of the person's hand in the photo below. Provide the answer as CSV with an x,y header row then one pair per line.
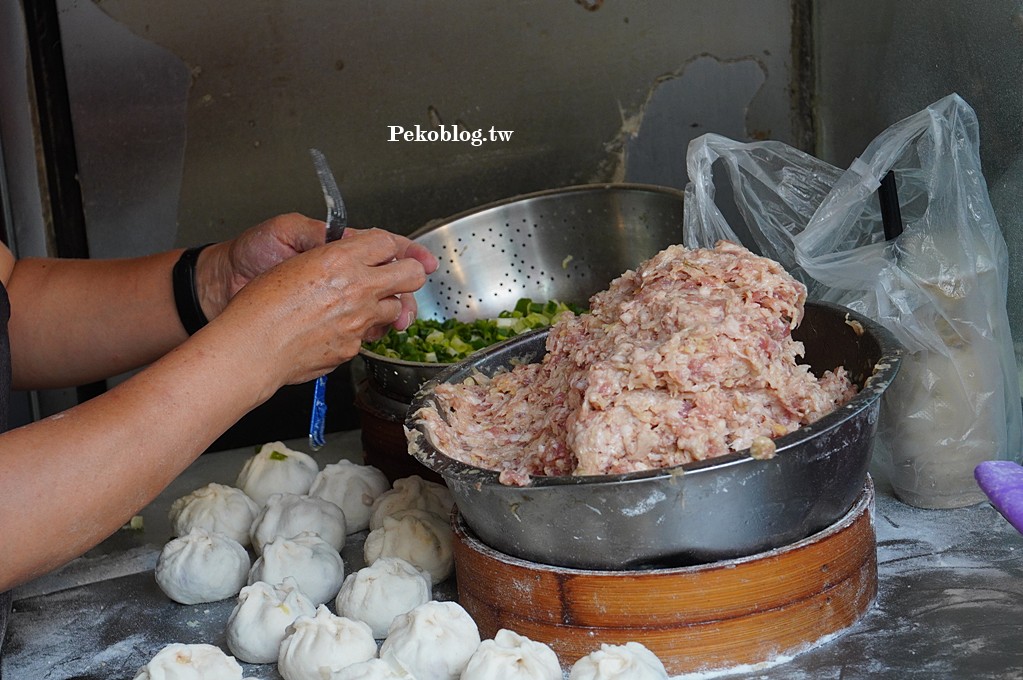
x,y
225,268
311,311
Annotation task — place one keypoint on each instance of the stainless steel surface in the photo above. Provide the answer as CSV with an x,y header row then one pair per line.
x,y
337,221
564,244
710,510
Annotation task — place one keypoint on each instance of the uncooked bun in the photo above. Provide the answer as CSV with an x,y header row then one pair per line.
x,y
312,562
510,656
631,661
316,647
351,487
385,589
276,469
258,623
202,567
287,515
408,493
374,669
179,661
215,507
434,641
416,536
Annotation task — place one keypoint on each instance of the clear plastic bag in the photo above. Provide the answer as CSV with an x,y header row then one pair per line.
x,y
940,286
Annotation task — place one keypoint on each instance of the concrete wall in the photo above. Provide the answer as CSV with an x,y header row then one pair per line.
x,y
216,104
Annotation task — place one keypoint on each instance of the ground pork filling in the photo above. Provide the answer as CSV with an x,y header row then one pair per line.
x,y
686,358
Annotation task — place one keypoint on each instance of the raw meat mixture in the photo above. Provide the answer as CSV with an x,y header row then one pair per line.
x,y
688,357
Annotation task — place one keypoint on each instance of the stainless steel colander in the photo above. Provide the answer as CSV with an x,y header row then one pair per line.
x,y
561,244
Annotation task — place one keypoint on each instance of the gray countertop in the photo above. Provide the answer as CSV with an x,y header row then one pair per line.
x,y
949,604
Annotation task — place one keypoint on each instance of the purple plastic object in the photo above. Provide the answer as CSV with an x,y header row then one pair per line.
x,y
1002,482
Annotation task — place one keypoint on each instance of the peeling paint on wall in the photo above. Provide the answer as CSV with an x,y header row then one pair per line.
x,y
706,95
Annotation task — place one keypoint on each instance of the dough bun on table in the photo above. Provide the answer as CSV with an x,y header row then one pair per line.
x,y
373,669
202,567
417,536
510,656
351,487
215,507
409,493
276,469
286,515
381,591
178,661
317,568
259,621
434,641
631,661
316,647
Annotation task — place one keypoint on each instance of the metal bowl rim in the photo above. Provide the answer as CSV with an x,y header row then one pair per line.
x,y
885,369
446,221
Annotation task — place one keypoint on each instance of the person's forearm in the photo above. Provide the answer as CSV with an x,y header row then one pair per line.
x,y
73,479
123,317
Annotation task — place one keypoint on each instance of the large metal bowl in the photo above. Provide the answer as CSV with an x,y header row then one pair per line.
x,y
561,244
722,508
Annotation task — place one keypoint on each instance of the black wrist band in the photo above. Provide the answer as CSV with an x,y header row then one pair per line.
x,y
186,297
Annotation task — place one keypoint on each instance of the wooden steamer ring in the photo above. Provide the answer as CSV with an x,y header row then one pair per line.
x,y
700,618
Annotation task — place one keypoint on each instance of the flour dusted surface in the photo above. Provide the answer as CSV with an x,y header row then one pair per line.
x,y
686,358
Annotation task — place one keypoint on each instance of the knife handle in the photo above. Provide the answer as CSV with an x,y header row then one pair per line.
x,y
319,416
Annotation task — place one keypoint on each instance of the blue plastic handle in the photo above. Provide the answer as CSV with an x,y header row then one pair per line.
x,y
319,416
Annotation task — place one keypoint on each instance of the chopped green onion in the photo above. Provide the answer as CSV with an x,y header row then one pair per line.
x,y
277,455
449,341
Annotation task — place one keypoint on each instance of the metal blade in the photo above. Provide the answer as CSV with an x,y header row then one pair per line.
x,y
337,213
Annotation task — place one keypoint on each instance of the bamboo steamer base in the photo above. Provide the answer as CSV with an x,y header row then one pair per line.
x,y
709,617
